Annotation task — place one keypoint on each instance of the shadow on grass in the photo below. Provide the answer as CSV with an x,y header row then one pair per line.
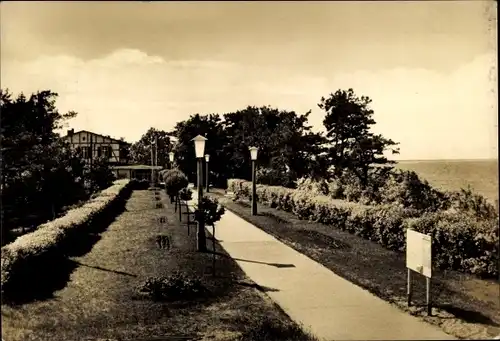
x,y
468,315
273,329
104,269
51,272
322,240
276,265
48,279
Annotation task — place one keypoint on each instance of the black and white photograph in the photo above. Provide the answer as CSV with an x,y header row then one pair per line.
x,y
249,170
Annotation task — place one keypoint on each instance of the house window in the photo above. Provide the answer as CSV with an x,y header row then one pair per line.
x,y
83,138
106,151
86,152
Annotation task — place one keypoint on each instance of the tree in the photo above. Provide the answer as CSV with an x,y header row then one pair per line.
x,y
211,128
40,173
353,146
287,147
141,150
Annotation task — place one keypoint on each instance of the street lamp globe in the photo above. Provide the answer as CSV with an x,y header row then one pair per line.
x,y
207,157
171,156
253,153
199,146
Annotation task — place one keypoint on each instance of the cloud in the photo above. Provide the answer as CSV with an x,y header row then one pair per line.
x,y
124,93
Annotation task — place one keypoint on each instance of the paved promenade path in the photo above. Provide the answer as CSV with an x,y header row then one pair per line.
x,y
328,305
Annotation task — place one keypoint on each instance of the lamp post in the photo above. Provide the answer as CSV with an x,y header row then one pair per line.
x,y
152,163
253,156
199,148
171,158
207,158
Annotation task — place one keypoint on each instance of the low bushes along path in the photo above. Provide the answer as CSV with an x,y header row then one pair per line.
x,y
465,306
100,301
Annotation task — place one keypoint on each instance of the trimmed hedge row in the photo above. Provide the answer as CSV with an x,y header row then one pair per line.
x,y
26,259
461,241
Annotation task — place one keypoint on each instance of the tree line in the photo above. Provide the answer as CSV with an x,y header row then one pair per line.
x,y
41,175
288,148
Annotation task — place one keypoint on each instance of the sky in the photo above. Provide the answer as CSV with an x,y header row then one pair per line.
x,y
430,67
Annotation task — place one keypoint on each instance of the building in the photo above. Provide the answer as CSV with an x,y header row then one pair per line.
x,y
93,146
140,172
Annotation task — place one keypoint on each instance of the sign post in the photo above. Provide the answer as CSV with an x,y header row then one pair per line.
x,y
419,259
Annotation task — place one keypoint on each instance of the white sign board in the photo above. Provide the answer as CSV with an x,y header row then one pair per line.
x,y
419,252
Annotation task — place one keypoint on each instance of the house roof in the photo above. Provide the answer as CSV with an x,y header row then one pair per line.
x,y
135,167
104,136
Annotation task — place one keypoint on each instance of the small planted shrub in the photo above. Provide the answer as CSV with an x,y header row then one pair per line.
x,y
175,287
185,194
175,180
212,211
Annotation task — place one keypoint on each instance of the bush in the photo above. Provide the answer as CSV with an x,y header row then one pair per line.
x,y
176,286
185,194
407,189
461,240
212,211
48,244
175,180
275,177
477,205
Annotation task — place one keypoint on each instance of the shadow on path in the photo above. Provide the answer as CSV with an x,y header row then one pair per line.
x,y
248,284
276,265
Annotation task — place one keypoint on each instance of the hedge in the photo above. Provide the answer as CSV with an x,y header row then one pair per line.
x,y
461,241
25,260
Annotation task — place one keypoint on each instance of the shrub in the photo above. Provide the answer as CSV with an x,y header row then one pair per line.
x,y
469,202
461,240
48,244
212,211
177,286
315,187
407,189
175,180
185,194
275,177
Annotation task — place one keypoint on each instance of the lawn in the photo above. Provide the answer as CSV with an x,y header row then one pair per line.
x,y
465,306
100,301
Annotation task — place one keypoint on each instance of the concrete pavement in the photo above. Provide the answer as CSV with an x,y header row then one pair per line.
x,y
331,307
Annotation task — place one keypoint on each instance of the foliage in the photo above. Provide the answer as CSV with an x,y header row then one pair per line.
x,y
212,211
50,242
353,145
286,146
41,175
98,175
185,194
209,126
177,286
461,240
274,177
141,150
175,180
467,201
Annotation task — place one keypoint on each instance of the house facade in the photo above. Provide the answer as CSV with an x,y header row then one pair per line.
x,y
92,146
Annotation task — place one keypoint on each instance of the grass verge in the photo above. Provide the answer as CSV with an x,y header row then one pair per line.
x,y
101,300
465,306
